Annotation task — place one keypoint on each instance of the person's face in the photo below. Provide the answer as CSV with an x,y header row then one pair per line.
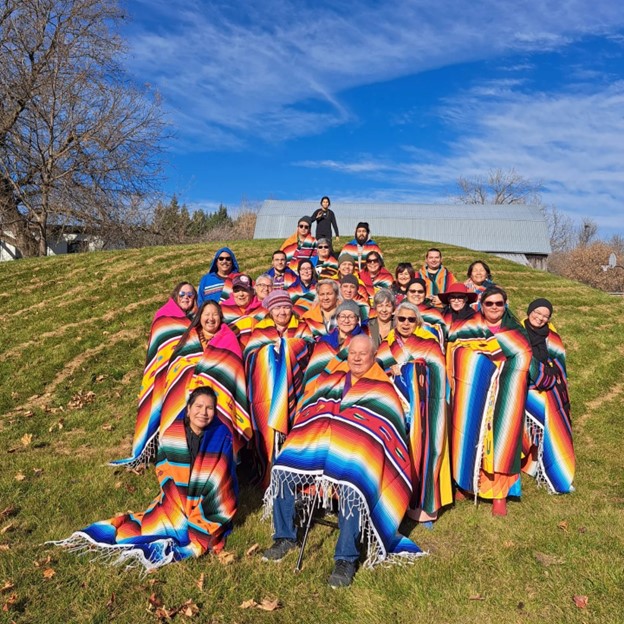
x,y
361,235
457,302
347,322
279,262
373,264
433,259
281,315
327,297
360,357
186,297
348,291
346,268
478,274
384,311
403,277
325,203
305,272
416,294
407,322
493,308
224,263
242,297
539,317
201,413
210,319
303,229
323,251
263,288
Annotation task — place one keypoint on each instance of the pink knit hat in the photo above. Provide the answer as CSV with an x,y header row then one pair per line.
x,y
276,298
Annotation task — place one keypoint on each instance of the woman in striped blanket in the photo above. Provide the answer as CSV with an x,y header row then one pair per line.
x,y
198,496
275,360
488,359
547,444
412,356
207,354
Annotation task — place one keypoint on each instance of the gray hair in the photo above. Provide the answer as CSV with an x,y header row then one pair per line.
x,y
265,276
412,308
349,306
383,295
328,282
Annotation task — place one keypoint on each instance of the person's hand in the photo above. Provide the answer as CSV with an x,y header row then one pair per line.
x,y
436,301
337,238
395,369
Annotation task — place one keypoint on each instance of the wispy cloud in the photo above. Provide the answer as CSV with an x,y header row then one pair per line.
x,y
276,70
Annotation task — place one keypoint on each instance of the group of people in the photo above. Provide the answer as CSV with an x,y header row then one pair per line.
x,y
339,384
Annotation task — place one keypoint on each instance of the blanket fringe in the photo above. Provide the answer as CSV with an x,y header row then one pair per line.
x,y
143,459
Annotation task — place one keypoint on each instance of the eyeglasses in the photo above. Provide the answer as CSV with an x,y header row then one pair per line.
x,y
406,319
303,226
542,317
224,259
323,246
186,293
264,286
371,260
416,292
346,317
492,304
457,297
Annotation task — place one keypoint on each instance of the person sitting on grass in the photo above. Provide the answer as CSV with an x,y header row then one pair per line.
x,y
198,497
348,442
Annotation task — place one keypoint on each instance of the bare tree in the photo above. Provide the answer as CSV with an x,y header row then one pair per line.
x,y
499,187
78,143
587,232
561,229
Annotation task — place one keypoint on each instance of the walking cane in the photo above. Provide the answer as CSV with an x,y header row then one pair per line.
x,y
305,535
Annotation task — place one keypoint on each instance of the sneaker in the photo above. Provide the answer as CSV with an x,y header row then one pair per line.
x,y
279,549
343,574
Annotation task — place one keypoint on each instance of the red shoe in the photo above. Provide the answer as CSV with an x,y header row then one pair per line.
x,y
499,507
459,495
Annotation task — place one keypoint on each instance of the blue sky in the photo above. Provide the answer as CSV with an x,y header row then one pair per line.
x,y
389,101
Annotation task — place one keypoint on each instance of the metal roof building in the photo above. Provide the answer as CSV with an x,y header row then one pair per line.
x,y
516,232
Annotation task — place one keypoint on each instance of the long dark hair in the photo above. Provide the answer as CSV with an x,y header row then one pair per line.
x,y
307,261
485,266
196,323
176,290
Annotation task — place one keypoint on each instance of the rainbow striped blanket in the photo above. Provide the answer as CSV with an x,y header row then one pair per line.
x,y
275,366
219,366
350,442
422,388
437,282
191,515
296,250
547,442
488,374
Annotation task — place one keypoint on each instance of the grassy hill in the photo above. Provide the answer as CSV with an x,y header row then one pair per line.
x,y
72,347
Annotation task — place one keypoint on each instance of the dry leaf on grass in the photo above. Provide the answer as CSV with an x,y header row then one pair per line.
x,y
20,476
547,560
248,604
189,609
476,597
563,525
26,439
580,601
29,414
37,472
57,425
154,600
509,544
252,549
269,604
110,603
200,582
107,427
225,557
8,585
48,573
4,547
42,562
7,512
11,600
7,528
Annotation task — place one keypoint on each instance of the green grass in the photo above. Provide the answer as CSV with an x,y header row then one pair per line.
x,y
75,324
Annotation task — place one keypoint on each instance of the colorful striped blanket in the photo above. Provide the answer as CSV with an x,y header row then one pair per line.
x,y
547,443
352,444
219,366
422,387
275,366
296,250
437,282
384,279
488,374
192,514
359,253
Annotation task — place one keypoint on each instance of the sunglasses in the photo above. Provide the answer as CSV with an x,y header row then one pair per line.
x,y
415,292
372,261
457,297
224,259
493,304
303,226
186,293
323,246
408,319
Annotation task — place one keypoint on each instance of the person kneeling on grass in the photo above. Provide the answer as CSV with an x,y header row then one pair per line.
x,y
197,501
348,442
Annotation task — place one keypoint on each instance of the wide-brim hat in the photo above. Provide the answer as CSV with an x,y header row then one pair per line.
x,y
457,289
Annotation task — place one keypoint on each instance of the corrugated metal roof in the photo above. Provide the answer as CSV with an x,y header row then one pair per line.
x,y
514,229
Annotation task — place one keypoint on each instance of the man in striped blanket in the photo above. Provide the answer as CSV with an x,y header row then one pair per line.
x,y
348,442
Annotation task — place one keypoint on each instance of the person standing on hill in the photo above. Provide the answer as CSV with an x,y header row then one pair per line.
x,y
325,220
437,278
361,246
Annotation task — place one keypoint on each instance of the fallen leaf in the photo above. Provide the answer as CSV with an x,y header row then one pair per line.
x,y
118,484
248,604
7,512
42,562
476,597
110,603
225,557
580,601
189,609
509,543
29,414
8,585
200,582
15,395
107,427
252,549
57,425
563,525
26,439
5,547
11,600
8,527
20,476
163,613
154,600
582,529
269,604
48,573
547,560
100,378
37,472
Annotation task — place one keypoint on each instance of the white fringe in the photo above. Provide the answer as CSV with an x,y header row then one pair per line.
x,y
145,457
